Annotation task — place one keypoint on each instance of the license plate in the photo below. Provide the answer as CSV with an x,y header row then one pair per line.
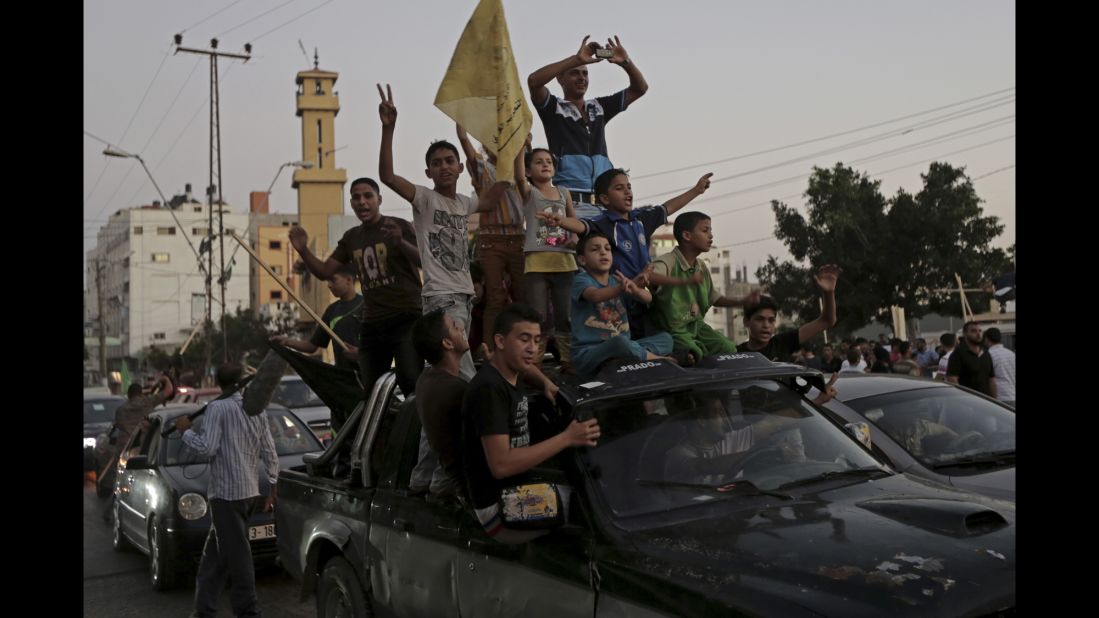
x,y
266,531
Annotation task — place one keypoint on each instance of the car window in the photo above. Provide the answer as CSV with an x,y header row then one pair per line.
x,y
939,426
673,451
100,411
295,394
290,435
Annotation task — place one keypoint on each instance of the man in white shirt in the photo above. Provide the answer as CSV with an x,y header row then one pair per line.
x,y
1003,366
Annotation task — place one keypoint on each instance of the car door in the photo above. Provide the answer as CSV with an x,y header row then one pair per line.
x,y
414,540
549,576
131,491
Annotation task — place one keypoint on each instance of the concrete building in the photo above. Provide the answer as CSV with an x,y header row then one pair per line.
x,y
153,292
269,237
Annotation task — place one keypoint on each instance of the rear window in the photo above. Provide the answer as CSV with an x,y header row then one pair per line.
x,y
291,438
295,394
101,411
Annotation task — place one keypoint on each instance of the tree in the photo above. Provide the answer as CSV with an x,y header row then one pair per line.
x,y
158,359
247,339
893,252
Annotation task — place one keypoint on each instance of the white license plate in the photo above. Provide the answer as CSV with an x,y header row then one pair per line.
x,y
266,531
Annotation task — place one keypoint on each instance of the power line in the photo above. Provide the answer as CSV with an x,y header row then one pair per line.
x,y
826,137
175,100
254,39
997,171
854,162
248,21
126,132
875,175
214,14
846,146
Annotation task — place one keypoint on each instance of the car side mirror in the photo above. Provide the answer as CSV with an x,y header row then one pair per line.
x,y
138,462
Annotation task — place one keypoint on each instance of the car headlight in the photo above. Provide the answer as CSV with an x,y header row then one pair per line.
x,y
192,506
89,442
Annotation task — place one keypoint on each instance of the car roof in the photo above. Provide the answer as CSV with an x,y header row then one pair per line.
x,y
852,386
649,376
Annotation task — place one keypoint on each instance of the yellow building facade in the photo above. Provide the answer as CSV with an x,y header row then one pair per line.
x,y
321,188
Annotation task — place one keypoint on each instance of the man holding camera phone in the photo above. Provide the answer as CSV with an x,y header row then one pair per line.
x,y
578,139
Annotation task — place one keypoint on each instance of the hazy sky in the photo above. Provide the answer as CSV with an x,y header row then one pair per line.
x,y
726,78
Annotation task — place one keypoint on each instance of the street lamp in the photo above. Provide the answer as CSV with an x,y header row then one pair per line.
x,y
111,151
302,164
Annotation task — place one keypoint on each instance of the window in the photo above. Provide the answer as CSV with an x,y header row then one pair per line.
x,y
138,230
161,258
277,269
320,136
318,90
276,294
166,231
715,269
126,262
198,208
200,231
285,224
158,336
274,244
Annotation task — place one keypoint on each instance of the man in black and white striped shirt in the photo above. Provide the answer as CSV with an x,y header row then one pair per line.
x,y
235,444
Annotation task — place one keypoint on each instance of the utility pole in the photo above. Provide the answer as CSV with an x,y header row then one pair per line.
x,y
215,153
102,320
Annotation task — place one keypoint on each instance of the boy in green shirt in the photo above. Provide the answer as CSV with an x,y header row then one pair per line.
x,y
684,292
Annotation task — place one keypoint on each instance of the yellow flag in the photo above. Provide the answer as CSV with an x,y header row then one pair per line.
x,y
481,89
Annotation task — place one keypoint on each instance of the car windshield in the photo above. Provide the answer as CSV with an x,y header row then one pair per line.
x,y
942,426
100,410
291,438
295,394
689,448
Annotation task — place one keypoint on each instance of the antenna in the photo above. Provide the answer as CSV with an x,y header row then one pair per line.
x,y
303,52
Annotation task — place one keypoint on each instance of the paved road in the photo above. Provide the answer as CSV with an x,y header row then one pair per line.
x,y
116,585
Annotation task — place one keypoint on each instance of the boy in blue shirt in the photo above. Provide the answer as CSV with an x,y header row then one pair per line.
x,y
628,229
600,323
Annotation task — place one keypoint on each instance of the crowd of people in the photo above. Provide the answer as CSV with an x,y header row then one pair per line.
x,y
978,361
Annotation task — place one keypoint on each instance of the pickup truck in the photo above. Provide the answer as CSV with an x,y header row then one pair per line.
x,y
817,525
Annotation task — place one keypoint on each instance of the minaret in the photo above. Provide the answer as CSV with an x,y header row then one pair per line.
x,y
320,189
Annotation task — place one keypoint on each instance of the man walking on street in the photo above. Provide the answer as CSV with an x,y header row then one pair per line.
x,y
235,443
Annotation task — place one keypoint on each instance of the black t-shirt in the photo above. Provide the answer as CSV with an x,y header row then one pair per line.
x,y
972,370
779,349
491,406
390,283
831,366
439,398
344,317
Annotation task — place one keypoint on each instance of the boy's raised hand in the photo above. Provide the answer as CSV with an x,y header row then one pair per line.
x,y
387,111
628,285
827,276
586,54
299,238
703,183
